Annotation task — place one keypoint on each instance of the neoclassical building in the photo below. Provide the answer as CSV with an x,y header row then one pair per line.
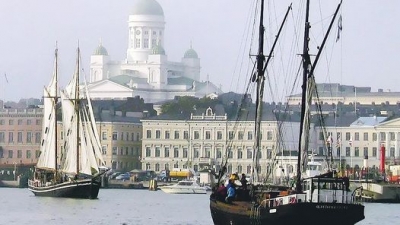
x,y
146,71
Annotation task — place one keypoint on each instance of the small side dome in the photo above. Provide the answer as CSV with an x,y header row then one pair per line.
x,y
191,54
147,7
158,50
100,50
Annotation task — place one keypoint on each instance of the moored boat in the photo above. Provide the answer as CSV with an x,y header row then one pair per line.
x,y
184,187
315,199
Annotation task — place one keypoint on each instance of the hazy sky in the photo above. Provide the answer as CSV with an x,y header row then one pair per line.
x,y
368,49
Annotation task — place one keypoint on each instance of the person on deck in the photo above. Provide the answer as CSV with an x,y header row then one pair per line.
x,y
243,180
221,192
231,192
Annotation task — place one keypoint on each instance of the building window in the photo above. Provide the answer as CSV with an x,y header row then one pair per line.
x,y
196,135
167,134
392,136
365,151
186,135
148,133
269,153
356,151
11,122
148,166
219,153
374,137
37,137
391,152
240,154
153,42
338,152
28,122
196,153
146,43
138,136
157,167
348,136
347,151
127,136
1,122
185,152
158,151
240,135
383,136
104,150
10,137
269,135
249,135
374,151
37,153
19,122
219,135
166,152
114,150
137,43
10,154
115,136
176,153
2,138
231,135
28,154
19,138
239,169
29,137
207,153
176,134
365,136
208,135
122,136
249,154
148,151
230,154
19,154
356,136
158,134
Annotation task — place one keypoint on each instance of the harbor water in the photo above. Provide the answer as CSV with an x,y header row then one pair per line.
x,y
134,207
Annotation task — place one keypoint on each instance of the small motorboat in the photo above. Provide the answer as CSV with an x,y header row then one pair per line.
x,y
184,187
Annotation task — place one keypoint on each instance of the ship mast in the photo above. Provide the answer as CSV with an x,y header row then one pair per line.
x,y
77,102
308,74
260,79
55,113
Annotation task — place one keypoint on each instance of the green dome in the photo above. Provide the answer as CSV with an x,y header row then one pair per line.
x,y
191,54
100,50
147,7
158,50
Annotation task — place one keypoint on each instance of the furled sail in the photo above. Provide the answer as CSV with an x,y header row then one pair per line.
x,y
81,141
48,142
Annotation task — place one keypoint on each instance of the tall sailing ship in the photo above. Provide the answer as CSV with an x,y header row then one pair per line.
x,y
72,170
321,199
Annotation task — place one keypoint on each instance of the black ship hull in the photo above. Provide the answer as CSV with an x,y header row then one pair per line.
x,y
85,189
300,213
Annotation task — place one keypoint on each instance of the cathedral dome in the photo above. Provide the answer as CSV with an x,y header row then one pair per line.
x,y
158,50
100,50
191,54
147,7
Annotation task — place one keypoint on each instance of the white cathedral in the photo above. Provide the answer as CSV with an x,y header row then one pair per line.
x,y
146,71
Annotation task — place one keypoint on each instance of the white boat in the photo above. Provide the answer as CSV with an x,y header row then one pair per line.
x,y
184,187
